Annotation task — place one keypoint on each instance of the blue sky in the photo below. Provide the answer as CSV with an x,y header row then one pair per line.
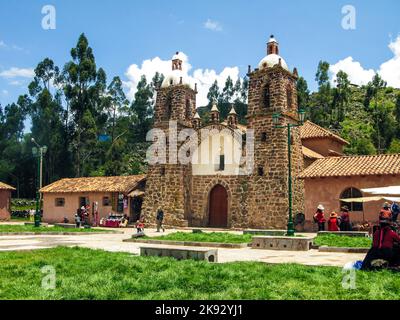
x,y
125,33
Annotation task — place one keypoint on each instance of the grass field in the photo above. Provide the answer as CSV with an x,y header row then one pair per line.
x,y
221,237
333,240
89,274
22,228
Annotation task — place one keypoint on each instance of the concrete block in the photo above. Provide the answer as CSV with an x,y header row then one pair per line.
x,y
210,255
282,243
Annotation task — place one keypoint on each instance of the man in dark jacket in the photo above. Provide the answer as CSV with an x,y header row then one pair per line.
x,y
382,247
160,219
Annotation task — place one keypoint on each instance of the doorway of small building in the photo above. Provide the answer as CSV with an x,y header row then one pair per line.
x,y
136,209
218,207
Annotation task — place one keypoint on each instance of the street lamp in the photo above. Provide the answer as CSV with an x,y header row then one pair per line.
x,y
276,121
38,152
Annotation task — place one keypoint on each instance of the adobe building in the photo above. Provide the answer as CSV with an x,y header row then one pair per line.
x,y
122,195
5,201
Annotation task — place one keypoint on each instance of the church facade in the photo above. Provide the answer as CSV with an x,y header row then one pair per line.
x,y
213,190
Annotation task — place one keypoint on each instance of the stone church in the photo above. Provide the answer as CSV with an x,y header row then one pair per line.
x,y
218,192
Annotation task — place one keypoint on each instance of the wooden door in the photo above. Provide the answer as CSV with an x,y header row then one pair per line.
x,y
218,207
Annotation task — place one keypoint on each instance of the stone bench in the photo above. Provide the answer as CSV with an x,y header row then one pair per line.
x,y
345,233
210,255
65,225
282,243
265,232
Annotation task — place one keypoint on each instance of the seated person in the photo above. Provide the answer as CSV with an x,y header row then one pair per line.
x,y
382,248
385,213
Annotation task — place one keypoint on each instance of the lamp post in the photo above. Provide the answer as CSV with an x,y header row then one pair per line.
x,y
276,120
38,152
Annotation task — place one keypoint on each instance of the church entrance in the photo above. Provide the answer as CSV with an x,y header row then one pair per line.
x,y
218,207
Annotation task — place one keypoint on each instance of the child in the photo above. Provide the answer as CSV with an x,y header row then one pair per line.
x,y
77,220
140,226
333,223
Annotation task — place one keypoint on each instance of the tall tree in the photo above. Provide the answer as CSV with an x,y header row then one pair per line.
x,y
80,75
376,85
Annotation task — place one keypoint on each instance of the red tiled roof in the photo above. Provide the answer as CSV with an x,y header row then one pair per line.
x,y
122,184
4,186
384,164
311,130
308,153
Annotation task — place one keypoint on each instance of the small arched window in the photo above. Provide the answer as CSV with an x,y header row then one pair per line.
x,y
168,113
188,109
351,193
289,97
267,97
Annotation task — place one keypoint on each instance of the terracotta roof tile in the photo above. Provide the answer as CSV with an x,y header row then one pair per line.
x,y
308,153
4,186
311,131
122,184
353,166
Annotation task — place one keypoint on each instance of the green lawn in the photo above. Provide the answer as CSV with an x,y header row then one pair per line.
x,y
221,237
4,228
90,274
332,240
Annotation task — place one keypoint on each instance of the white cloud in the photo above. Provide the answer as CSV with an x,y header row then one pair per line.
x,y
388,70
4,92
212,25
2,44
17,73
357,74
203,77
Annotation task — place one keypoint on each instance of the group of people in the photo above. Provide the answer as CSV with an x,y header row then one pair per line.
x,y
82,216
159,222
335,222
386,240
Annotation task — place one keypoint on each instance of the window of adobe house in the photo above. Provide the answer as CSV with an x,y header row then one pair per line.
x,y
60,202
350,193
106,201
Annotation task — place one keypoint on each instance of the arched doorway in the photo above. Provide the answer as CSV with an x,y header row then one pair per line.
x,y
218,207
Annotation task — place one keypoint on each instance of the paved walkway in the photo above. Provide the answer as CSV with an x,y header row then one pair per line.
x,y
113,243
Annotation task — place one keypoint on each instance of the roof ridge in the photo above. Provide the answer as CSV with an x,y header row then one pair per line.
x,y
325,130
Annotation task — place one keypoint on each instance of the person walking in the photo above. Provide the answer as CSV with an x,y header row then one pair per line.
x,y
333,222
160,219
345,224
319,218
